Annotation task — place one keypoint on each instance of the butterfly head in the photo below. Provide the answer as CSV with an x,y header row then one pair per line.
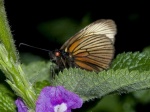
x,y
55,55
59,57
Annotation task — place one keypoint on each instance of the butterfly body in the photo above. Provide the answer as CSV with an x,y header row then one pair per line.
x,y
92,48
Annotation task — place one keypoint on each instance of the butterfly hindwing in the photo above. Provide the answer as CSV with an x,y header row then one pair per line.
x,y
95,55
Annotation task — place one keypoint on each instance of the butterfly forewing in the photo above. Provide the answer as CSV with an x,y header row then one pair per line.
x,y
92,48
102,26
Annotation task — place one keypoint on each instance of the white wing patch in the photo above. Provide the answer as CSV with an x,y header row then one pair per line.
x,y
106,27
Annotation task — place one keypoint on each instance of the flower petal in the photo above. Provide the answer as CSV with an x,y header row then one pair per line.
x,y
21,106
52,97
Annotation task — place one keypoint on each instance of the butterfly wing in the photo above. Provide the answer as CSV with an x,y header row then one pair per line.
x,y
92,47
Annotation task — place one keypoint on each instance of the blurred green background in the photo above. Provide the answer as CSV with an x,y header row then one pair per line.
x,y
48,24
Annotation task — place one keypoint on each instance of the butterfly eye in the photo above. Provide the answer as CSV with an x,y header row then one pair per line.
x,y
57,53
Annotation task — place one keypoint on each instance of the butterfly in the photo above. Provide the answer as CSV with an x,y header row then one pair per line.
x,y
92,48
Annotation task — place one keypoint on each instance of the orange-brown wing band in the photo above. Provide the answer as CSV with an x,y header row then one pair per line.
x,y
92,47
96,55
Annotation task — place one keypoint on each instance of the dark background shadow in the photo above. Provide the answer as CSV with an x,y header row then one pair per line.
x,y
132,19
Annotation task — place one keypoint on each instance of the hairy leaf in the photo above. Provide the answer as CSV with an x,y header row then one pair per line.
x,y
91,85
6,102
132,61
37,71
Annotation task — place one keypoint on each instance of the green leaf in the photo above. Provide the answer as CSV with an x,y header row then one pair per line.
x,y
90,85
10,65
146,50
132,61
40,85
5,33
6,99
142,96
114,105
37,71
6,103
5,89
16,77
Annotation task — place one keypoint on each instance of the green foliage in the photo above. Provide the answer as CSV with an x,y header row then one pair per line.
x,y
16,77
40,85
37,71
146,50
6,103
111,103
142,96
27,58
90,85
6,90
5,33
61,29
10,65
6,99
132,61
129,71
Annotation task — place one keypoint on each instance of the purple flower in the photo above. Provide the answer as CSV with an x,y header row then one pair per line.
x,y
57,99
21,106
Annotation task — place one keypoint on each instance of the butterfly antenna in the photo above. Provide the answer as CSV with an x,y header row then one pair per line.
x,y
33,47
